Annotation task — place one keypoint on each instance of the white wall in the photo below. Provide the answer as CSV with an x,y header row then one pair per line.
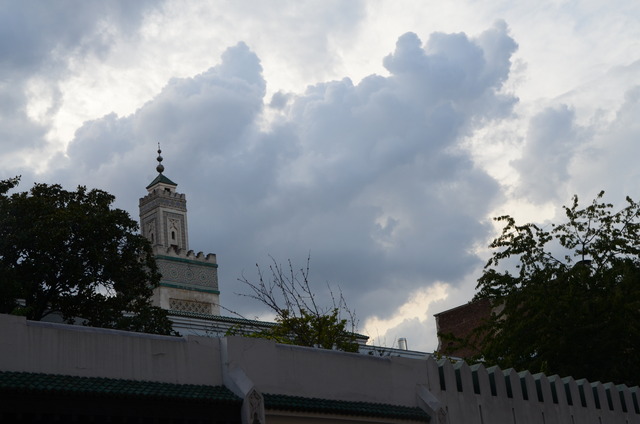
x,y
94,352
248,364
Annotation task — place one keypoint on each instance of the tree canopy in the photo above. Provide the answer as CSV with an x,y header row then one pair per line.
x,y
566,297
69,253
300,320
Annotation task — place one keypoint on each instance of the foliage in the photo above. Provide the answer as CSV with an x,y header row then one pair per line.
x,y
572,305
69,253
299,319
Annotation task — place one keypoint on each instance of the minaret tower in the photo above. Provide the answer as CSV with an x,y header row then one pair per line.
x,y
189,281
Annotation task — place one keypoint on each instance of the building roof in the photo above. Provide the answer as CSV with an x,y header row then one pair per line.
x,y
341,407
220,318
110,387
241,323
161,178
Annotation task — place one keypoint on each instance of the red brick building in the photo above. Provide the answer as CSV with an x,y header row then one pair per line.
x,y
459,322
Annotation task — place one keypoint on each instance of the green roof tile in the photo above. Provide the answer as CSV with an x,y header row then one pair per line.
x,y
66,384
233,320
161,179
220,318
341,407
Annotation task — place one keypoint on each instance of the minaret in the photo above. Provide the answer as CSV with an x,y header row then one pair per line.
x,y
189,281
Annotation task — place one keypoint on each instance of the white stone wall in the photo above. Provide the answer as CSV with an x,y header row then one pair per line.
x,y
75,350
449,393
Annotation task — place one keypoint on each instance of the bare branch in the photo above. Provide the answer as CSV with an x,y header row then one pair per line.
x,y
301,319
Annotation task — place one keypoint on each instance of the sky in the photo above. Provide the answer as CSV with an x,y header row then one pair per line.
x,y
377,137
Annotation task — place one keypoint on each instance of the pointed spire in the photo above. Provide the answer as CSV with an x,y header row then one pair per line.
x,y
160,167
160,179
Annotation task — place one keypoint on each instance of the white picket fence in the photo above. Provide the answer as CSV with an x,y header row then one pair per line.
x,y
475,394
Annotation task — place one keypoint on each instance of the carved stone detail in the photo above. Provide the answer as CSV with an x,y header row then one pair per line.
x,y
190,306
188,274
175,223
150,231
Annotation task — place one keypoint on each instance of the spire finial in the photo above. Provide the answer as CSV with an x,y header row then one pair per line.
x,y
160,167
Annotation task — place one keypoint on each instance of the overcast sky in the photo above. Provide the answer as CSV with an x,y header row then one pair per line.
x,y
379,137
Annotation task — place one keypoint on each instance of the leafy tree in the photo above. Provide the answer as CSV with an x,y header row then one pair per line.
x,y
69,253
572,304
299,319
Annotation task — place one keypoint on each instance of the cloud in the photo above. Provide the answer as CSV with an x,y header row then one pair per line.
x,y
17,130
366,171
196,120
369,178
585,148
551,142
411,318
607,162
38,41
32,34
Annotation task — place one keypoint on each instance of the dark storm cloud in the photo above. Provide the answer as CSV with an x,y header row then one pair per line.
x,y
367,177
35,32
17,130
37,39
